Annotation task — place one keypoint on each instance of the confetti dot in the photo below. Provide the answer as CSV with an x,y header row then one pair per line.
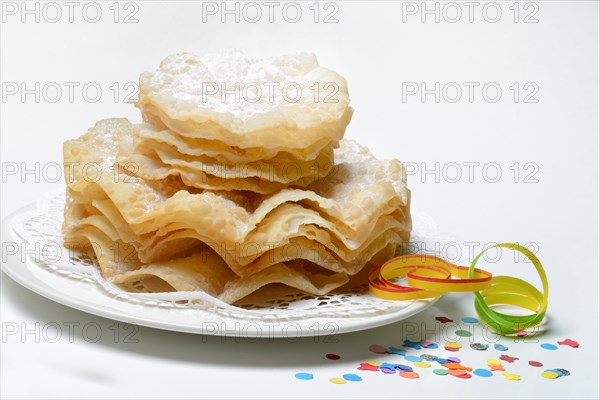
x,y
549,375
493,362
331,356
440,371
463,333
452,349
484,373
352,377
412,358
512,377
569,342
548,346
470,320
555,371
522,333
403,367
479,346
457,372
457,366
497,368
368,367
373,362
454,359
500,347
443,360
428,357
337,381
508,358
305,376
387,370
395,350
422,364
453,345
535,364
375,348
409,375
443,320
414,345
564,372
465,376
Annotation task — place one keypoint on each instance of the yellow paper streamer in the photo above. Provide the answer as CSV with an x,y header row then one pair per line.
x,y
430,276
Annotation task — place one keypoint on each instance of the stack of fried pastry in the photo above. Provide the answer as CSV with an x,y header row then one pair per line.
x,y
227,122
233,197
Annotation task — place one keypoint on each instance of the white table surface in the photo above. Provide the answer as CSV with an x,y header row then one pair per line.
x,y
376,51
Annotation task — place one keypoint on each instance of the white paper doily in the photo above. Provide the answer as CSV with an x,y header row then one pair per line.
x,y
44,265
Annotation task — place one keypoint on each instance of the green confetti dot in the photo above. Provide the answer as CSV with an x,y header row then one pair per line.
x,y
463,333
440,371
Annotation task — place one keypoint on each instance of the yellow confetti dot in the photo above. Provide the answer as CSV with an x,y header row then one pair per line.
x,y
374,363
511,377
453,345
422,364
549,375
337,381
494,362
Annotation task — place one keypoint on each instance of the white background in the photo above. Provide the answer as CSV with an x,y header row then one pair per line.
x,y
376,51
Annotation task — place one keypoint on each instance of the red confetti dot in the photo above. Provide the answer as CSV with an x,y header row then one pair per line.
x,y
507,358
375,348
535,363
332,356
569,342
443,320
368,367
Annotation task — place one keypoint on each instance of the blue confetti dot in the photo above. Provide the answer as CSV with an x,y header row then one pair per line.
x,y
305,376
500,347
470,320
403,367
411,344
556,371
548,346
433,346
443,360
395,350
484,373
388,366
352,377
412,358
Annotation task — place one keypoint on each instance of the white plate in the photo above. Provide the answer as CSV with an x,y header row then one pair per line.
x,y
19,262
